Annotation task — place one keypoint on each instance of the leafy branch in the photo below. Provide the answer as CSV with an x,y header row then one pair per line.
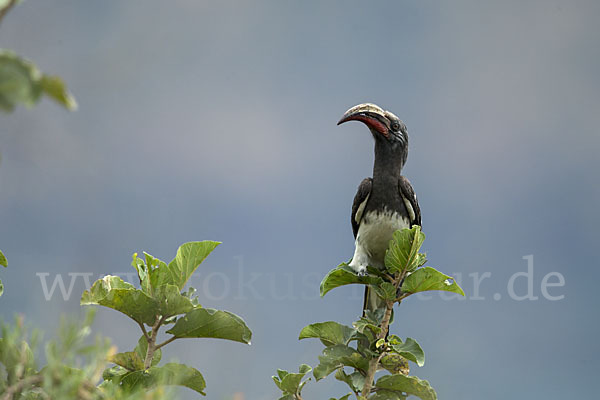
x,y
160,301
356,353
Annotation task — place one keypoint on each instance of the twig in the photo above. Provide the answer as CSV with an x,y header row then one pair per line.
x,y
144,331
385,327
152,342
7,8
169,340
85,391
20,385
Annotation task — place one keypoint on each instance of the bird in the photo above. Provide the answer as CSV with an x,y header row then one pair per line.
x,y
385,202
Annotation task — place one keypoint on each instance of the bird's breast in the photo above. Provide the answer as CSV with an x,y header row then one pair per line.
x,y
375,232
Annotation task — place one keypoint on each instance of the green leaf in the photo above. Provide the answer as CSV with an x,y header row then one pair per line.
x,y
168,374
304,368
364,323
55,88
355,380
15,354
330,333
403,252
130,360
113,292
21,82
386,291
3,261
142,348
153,262
281,373
410,385
395,363
171,301
190,294
410,350
291,383
1,288
345,275
210,323
337,356
114,373
375,317
427,278
142,271
421,259
387,395
189,257
180,374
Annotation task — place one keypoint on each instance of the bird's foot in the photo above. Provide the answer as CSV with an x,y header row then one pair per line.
x,y
399,292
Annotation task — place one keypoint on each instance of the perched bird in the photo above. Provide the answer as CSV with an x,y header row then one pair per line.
x,y
386,202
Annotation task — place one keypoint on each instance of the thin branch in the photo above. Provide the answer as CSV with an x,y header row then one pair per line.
x,y
152,342
84,394
86,390
402,297
388,276
20,385
7,8
166,342
144,331
385,327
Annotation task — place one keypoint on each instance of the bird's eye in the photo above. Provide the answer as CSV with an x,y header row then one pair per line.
x,y
395,126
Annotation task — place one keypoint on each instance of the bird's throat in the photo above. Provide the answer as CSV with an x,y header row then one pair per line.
x,y
389,161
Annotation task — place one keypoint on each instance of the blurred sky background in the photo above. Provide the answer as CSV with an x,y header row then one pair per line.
x,y
216,120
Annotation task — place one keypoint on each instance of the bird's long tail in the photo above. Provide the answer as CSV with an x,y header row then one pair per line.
x,y
372,302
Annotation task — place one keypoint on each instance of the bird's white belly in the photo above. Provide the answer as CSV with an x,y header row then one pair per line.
x,y
373,238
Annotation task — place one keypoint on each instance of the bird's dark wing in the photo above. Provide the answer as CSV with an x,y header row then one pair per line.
x,y
410,201
360,201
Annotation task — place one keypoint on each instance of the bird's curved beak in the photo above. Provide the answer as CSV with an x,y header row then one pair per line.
x,y
371,115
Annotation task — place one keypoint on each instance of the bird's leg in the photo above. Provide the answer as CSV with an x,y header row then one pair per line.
x,y
399,291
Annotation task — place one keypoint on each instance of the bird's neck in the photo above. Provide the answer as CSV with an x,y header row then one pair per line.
x,y
388,162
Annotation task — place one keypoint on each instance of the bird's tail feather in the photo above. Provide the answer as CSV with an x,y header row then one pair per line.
x,y
372,302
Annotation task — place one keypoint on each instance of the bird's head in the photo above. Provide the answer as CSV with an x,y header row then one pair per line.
x,y
383,124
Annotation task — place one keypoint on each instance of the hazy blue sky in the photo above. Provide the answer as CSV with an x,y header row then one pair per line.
x,y
216,120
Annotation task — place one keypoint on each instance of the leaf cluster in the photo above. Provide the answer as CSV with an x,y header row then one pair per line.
x,y
290,383
349,351
404,274
73,369
354,353
161,302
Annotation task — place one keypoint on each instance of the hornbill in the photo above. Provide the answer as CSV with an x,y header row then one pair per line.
x,y
386,202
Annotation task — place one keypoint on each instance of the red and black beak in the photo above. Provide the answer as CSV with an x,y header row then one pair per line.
x,y
372,115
